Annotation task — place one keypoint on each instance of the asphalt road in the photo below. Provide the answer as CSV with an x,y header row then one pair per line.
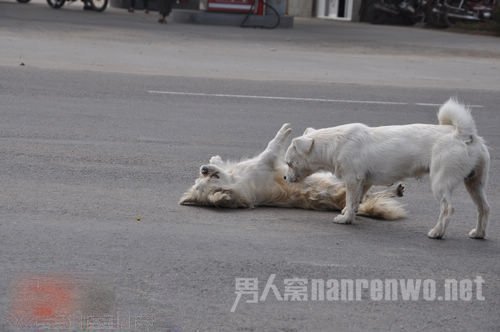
x,y
102,129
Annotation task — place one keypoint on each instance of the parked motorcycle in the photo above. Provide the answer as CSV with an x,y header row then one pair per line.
x,y
97,5
436,13
406,12
443,13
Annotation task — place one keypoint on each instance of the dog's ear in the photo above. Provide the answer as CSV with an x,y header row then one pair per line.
x,y
308,131
303,145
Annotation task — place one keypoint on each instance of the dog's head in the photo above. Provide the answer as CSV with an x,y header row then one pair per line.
x,y
214,187
297,157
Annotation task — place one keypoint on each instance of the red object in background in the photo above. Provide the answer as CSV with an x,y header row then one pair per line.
x,y
236,6
41,302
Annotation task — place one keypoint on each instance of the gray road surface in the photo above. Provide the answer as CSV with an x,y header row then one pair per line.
x,y
93,164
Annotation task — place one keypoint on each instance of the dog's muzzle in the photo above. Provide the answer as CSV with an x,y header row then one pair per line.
x,y
204,170
290,179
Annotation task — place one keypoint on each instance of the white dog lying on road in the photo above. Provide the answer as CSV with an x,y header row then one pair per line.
x,y
259,181
362,156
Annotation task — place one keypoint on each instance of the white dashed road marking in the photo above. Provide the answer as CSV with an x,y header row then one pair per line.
x,y
322,100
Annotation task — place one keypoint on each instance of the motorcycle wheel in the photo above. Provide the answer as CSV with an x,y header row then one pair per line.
x,y
436,15
56,4
23,1
373,15
99,5
379,17
407,20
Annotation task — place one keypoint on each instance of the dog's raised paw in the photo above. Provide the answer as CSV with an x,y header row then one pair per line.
x,y
217,160
285,126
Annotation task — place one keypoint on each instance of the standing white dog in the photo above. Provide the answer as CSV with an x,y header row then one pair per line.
x,y
363,156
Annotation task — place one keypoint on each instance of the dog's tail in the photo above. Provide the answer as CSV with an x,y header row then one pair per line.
x,y
458,115
380,206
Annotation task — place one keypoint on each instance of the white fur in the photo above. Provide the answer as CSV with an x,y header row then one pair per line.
x,y
363,156
259,181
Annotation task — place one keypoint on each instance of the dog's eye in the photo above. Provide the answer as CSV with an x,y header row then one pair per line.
x,y
215,175
289,164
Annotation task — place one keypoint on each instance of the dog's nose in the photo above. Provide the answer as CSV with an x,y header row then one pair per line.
x,y
204,170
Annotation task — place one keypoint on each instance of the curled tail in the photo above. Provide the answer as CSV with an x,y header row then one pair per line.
x,y
458,115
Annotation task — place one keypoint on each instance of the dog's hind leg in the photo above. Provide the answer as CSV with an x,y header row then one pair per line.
x,y
475,185
444,217
443,182
450,164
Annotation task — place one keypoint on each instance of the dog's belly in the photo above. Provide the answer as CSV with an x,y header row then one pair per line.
x,y
389,179
390,173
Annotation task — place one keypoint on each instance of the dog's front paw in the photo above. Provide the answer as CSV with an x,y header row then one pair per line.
x,y
436,233
285,127
342,219
285,131
216,160
474,234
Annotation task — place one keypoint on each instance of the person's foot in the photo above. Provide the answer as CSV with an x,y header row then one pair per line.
x,y
162,20
87,7
131,10
146,11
